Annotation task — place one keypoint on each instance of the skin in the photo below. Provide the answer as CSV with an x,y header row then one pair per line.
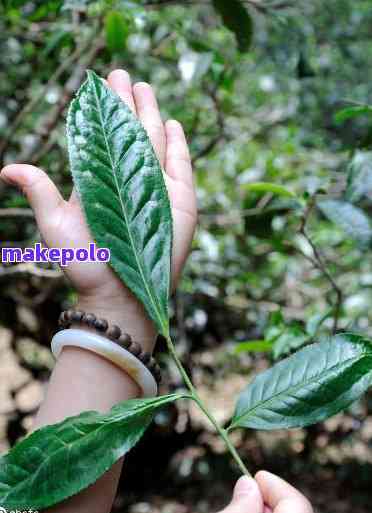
x,y
93,382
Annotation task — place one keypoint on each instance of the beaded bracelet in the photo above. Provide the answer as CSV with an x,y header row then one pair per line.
x,y
114,333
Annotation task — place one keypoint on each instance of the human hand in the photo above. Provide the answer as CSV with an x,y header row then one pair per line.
x,y
62,224
266,493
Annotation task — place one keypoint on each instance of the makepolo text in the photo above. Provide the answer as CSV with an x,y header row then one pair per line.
x,y
62,256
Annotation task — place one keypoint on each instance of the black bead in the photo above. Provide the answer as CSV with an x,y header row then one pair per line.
x,y
89,319
135,348
113,332
101,325
68,314
76,316
125,341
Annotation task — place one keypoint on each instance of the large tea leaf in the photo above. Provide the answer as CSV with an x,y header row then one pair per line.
x,y
308,387
60,460
121,187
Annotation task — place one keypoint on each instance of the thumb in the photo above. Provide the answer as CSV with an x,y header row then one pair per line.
x,y
246,497
41,192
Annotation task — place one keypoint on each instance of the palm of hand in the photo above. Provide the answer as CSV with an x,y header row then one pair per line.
x,y
62,223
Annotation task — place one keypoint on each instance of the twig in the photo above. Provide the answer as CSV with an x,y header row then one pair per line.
x,y
218,137
16,212
36,99
46,127
321,265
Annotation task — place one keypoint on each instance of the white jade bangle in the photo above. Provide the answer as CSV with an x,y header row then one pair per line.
x,y
109,350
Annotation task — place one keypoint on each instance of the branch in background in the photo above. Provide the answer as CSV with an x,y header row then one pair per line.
x,y
17,122
218,137
30,268
319,262
16,212
41,142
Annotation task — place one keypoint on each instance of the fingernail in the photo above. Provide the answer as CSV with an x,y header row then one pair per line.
x,y
174,125
245,485
119,75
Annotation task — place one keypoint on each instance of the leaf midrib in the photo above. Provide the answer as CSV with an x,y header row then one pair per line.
x,y
153,301
305,382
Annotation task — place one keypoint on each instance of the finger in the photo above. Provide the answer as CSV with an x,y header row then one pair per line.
x,y
280,496
246,497
74,197
119,81
178,161
149,115
40,191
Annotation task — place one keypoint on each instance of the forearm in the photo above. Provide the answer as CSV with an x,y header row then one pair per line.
x,y
82,380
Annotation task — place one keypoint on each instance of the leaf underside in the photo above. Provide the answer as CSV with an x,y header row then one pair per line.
x,y
60,460
121,187
308,387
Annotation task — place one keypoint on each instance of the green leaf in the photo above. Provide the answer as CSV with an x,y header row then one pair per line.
x,y
60,460
352,220
359,179
237,19
116,27
253,346
123,194
273,188
307,387
352,112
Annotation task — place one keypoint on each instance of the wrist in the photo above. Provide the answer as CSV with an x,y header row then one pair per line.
x,y
129,315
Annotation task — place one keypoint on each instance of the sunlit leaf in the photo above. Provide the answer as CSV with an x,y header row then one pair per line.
x,y
352,112
253,346
273,188
116,27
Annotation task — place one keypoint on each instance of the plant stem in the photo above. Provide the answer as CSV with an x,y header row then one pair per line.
x,y
195,396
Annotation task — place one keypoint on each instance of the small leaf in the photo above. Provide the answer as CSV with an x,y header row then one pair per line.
x,y
293,337
352,112
116,27
359,179
307,387
315,321
253,346
273,188
60,460
352,220
123,194
237,19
